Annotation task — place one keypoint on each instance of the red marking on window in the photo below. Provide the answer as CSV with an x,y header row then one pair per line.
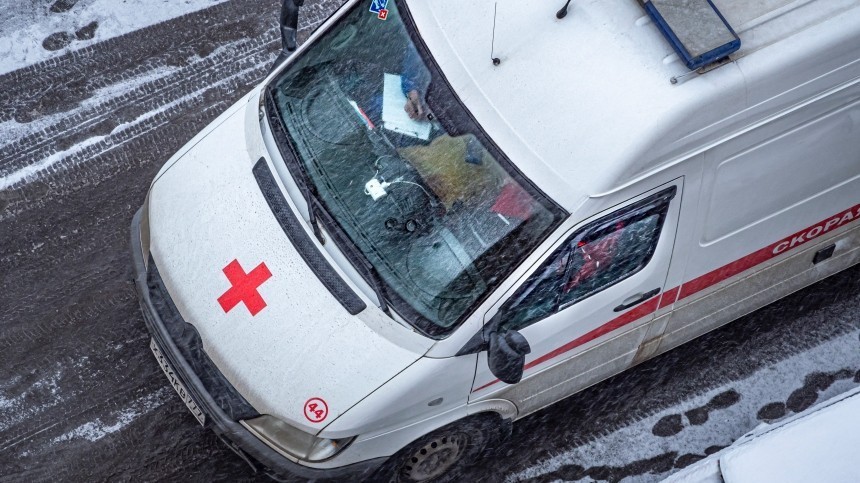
x,y
600,251
514,202
316,410
383,14
365,118
244,287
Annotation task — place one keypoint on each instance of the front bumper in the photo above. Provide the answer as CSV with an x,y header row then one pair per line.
x,y
256,453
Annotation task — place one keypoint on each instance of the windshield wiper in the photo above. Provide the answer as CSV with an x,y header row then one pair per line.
x,y
371,276
308,195
359,261
312,219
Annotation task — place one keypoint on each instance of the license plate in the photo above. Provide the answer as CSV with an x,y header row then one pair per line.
x,y
176,383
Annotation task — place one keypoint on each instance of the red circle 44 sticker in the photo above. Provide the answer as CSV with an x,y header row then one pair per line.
x,y
316,410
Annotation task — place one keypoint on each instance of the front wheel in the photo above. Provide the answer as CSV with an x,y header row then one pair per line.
x,y
443,454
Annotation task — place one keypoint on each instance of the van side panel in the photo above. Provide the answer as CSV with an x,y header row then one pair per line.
x,y
591,366
787,178
790,163
747,292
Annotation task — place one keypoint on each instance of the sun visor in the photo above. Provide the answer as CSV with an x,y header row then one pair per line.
x,y
696,29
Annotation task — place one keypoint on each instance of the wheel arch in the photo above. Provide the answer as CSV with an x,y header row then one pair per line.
x,y
488,426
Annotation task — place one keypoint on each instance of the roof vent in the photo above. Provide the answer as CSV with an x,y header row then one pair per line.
x,y
696,29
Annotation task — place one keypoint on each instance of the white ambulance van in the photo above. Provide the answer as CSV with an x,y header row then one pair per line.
x,y
429,222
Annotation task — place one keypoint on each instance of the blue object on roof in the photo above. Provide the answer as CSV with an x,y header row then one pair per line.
x,y
696,29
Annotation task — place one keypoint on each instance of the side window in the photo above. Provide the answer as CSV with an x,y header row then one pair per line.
x,y
596,257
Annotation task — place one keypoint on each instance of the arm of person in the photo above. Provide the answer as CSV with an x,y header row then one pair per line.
x,y
414,81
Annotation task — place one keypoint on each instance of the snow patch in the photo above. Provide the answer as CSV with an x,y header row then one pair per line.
x,y
25,24
38,167
19,407
98,429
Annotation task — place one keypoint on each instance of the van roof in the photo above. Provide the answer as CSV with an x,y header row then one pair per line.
x,y
586,104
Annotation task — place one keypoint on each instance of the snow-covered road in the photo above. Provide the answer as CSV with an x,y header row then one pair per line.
x,y
69,110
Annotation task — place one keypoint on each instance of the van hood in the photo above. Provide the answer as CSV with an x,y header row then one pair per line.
x,y
206,213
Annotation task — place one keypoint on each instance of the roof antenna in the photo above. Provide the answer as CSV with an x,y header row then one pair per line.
x,y
496,60
563,12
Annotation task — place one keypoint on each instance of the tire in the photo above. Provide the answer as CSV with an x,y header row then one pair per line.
x,y
443,454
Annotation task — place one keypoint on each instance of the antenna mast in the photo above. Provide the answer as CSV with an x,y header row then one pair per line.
x,y
496,60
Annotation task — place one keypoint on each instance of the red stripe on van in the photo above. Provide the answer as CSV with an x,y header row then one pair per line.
x,y
724,272
774,250
669,297
633,315
698,284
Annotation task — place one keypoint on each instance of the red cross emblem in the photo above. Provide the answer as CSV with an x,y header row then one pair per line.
x,y
383,14
244,287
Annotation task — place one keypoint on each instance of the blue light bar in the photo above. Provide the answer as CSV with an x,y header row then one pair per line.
x,y
696,29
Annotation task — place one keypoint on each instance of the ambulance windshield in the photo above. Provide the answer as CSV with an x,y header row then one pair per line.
x,y
393,159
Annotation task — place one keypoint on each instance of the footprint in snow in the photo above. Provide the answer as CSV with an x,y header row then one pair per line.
x,y
673,424
61,6
57,41
803,398
61,40
650,466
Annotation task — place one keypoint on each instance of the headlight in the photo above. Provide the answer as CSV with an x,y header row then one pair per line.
x,y
292,442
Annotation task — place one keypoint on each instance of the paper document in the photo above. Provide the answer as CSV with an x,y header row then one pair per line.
x,y
394,116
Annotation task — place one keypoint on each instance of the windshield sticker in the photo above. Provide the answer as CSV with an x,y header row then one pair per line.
x,y
362,115
378,7
316,410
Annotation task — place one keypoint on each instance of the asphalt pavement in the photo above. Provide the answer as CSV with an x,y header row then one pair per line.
x,y
81,396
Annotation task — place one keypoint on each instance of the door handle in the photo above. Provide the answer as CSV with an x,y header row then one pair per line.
x,y
638,299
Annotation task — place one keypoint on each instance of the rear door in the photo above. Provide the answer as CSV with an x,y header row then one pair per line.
x,y
586,308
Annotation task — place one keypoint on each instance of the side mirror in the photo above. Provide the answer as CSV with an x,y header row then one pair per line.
x,y
506,355
290,23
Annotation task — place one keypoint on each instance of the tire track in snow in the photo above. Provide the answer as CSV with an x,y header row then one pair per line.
x,y
58,162
53,85
95,100
154,94
191,87
16,135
